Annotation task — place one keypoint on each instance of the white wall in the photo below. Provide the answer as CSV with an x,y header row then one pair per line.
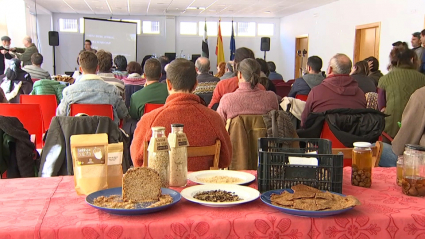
x,y
331,28
169,40
44,26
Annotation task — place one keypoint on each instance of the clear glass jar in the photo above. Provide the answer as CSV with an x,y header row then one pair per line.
x,y
361,173
413,183
399,178
158,158
178,156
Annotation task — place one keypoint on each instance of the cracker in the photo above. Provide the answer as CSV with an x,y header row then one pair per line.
x,y
302,187
305,204
303,194
323,204
325,195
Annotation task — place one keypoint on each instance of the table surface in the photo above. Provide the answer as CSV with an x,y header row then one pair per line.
x,y
50,208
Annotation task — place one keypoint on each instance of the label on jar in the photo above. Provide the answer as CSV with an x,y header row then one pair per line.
x,y
115,158
178,140
90,155
158,144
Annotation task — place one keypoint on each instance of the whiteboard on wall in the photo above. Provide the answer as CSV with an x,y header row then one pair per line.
x,y
117,37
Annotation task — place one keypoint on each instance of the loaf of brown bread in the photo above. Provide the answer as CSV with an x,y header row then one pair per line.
x,y
141,185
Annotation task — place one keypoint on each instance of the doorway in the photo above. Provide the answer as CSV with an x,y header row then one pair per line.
x,y
301,55
367,41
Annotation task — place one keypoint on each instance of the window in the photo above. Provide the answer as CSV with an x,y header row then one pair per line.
x,y
188,28
68,25
81,25
212,28
265,29
150,27
226,28
246,29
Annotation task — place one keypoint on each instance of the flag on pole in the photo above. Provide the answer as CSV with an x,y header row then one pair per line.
x,y
205,49
232,45
219,48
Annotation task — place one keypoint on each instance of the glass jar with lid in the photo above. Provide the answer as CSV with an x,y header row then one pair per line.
x,y
158,158
413,183
178,156
362,163
399,178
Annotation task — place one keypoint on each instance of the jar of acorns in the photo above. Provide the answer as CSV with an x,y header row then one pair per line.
x,y
361,174
413,183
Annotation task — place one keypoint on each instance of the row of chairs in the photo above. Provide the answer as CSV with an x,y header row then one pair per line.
x,y
36,112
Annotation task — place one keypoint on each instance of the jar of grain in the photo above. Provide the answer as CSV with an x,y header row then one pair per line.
x,y
413,183
178,156
158,158
361,174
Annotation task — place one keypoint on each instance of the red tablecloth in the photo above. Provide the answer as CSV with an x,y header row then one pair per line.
x,y
50,208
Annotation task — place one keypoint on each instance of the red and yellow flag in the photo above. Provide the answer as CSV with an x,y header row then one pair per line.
x,y
219,48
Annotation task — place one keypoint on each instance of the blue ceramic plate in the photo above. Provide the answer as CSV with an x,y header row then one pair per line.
x,y
137,211
265,197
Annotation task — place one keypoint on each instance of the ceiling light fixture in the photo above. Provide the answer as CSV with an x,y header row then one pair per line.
x,y
128,7
89,6
195,8
107,3
69,5
147,9
188,7
208,6
267,12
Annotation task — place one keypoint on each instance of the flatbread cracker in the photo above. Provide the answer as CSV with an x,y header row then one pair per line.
x,y
303,194
302,187
305,204
323,204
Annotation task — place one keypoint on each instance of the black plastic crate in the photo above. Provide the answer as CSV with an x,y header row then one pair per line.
x,y
274,171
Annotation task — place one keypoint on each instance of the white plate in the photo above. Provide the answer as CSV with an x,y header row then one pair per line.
x,y
247,194
245,177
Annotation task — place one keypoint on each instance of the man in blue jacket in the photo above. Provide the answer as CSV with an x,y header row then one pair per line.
x,y
303,85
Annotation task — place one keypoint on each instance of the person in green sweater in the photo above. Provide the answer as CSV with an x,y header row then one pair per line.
x,y
49,87
395,88
153,92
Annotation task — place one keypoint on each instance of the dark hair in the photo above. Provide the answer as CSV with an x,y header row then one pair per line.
x,y
402,57
152,69
250,70
182,74
375,63
147,57
163,62
120,62
264,67
241,54
315,63
417,35
272,66
229,66
37,59
423,32
134,67
362,68
105,61
88,41
88,61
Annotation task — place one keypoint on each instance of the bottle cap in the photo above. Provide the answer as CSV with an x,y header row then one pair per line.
x,y
415,147
362,144
177,125
158,128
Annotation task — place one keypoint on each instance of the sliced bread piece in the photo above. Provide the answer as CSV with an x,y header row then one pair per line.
x,y
141,185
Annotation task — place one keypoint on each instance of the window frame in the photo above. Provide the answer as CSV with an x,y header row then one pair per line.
x,y
196,29
62,21
254,24
152,33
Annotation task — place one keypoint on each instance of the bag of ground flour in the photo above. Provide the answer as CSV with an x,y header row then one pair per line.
x,y
115,156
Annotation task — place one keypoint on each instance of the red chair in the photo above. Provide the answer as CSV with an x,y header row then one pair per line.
x,y
92,110
48,105
327,134
34,80
290,82
149,107
301,97
30,117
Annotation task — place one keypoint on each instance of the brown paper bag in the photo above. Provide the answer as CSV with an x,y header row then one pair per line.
x,y
89,157
115,156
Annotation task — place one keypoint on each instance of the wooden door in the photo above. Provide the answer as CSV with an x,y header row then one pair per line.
x,y
301,55
367,41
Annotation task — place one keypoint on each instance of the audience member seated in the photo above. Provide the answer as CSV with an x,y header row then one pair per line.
x,y
49,87
16,82
206,82
229,71
417,44
304,84
121,67
264,75
3,98
35,70
360,73
164,61
221,69
232,84
337,91
202,125
273,74
395,88
422,67
147,57
134,81
374,71
92,89
153,92
248,99
105,70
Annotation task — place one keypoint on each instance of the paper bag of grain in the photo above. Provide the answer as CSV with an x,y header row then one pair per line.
x,y
115,155
89,157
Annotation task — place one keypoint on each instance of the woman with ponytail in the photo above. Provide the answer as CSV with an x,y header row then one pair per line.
x,y
395,88
248,99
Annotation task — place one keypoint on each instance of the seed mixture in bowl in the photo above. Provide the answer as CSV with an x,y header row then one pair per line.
x,y
217,196
220,179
